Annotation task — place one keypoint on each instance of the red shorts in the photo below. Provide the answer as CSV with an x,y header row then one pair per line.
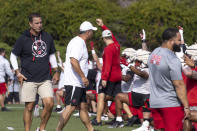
x,y
112,108
169,118
92,91
3,88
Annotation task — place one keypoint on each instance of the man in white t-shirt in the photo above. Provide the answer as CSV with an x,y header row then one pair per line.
x,y
75,81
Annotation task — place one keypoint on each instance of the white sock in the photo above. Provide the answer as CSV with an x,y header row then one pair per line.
x,y
58,106
119,118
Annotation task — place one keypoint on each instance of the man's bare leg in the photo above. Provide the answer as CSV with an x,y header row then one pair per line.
x,y
93,103
127,110
100,106
59,94
46,113
84,116
2,97
27,115
65,116
120,99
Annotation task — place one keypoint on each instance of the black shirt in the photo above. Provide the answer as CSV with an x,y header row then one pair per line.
x,y
34,54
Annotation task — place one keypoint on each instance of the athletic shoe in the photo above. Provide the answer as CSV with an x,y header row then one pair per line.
x,y
76,114
36,111
58,110
104,118
131,121
144,127
89,114
95,123
4,109
38,129
110,122
93,113
117,124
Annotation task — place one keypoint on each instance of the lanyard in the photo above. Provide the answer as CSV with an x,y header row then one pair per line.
x,y
36,43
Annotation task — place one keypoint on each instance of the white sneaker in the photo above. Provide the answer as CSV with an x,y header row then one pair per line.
x,y
144,127
36,111
104,118
89,114
76,114
38,129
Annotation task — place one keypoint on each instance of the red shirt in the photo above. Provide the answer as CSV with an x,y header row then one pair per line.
x,y
111,70
191,85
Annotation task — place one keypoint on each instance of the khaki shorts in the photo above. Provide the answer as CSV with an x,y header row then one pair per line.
x,y
30,89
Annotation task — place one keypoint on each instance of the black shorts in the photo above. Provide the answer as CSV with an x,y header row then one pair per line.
x,y
75,95
13,96
112,88
139,99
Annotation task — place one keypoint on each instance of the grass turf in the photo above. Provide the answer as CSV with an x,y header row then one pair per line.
x,y
14,119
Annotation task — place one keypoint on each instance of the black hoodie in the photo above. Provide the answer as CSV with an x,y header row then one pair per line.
x,y
34,54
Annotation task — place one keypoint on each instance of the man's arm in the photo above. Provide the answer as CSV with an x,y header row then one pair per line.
x,y
187,70
126,77
181,92
104,27
53,62
95,57
143,37
138,72
14,63
75,64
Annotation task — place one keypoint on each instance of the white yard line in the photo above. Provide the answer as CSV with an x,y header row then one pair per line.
x,y
15,107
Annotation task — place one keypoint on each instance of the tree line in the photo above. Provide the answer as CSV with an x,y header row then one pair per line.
x,y
62,19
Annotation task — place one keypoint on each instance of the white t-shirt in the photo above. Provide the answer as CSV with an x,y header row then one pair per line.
x,y
141,85
77,49
61,81
126,86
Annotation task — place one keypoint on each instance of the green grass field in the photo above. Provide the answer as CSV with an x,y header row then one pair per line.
x,y
14,119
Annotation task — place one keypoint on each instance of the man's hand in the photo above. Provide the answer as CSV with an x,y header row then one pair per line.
x,y
85,81
126,78
187,113
58,53
56,78
188,61
21,78
104,83
187,71
99,22
10,82
143,35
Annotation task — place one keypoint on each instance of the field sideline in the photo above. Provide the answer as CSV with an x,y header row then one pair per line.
x,y
14,119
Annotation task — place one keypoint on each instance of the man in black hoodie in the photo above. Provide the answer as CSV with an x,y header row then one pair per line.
x,y
36,50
